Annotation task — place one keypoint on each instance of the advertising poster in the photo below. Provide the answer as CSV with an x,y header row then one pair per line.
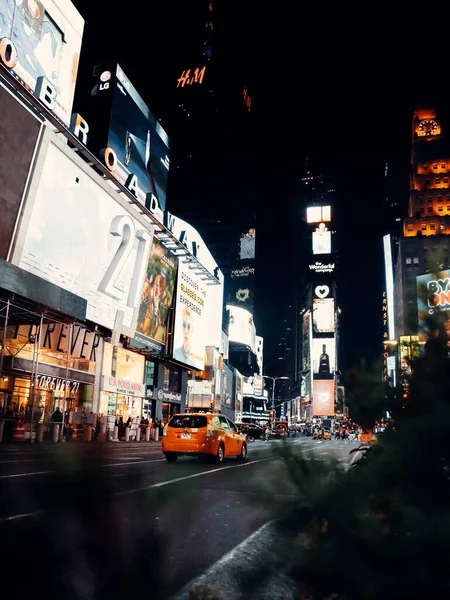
x,y
433,303
241,327
156,300
321,242
140,143
79,237
190,323
323,315
47,36
241,284
123,363
323,398
323,357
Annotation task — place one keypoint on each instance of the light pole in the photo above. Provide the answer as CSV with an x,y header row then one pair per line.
x,y
273,387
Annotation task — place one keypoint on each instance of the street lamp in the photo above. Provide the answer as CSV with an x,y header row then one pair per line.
x,y
273,387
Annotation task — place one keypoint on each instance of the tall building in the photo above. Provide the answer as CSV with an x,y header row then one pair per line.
x,y
425,244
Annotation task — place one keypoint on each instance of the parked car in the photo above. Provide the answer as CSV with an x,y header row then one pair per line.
x,y
202,434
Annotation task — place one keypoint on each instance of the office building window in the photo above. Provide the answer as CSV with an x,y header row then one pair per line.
x,y
433,227
409,227
408,261
416,260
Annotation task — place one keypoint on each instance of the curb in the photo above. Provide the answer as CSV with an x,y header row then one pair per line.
x,y
253,570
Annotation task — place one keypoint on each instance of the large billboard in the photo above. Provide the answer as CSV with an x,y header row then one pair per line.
x,y
81,236
126,136
19,130
190,329
433,303
156,300
241,284
323,398
241,327
42,38
323,315
323,357
321,242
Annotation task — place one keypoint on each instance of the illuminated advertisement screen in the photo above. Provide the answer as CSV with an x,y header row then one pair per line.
x,y
127,364
433,303
241,284
156,300
47,39
241,327
78,236
323,398
321,242
140,143
190,329
323,357
323,315
318,214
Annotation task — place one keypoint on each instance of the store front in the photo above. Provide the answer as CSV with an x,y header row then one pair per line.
x,y
170,394
122,387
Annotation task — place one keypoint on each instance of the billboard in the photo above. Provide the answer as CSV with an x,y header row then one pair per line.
x,y
80,236
389,275
433,303
323,357
323,315
191,323
321,242
318,214
19,130
42,38
156,300
241,327
241,284
323,398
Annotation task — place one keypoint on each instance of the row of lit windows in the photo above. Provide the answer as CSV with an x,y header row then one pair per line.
x,y
430,199
430,209
437,181
435,166
415,260
423,227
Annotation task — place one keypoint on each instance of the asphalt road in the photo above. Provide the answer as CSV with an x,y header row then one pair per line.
x,y
123,504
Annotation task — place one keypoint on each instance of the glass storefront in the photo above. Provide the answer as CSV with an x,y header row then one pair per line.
x,y
120,405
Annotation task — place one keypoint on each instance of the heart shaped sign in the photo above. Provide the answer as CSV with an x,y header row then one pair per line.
x,y
322,291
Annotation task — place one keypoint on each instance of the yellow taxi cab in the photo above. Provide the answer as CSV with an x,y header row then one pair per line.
x,y
196,434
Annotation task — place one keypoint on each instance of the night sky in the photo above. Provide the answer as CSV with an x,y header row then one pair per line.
x,y
342,83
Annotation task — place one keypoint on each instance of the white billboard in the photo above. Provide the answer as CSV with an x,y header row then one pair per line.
x,y
323,315
241,326
42,38
82,236
321,242
191,321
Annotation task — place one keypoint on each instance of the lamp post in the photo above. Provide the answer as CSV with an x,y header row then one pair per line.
x,y
273,386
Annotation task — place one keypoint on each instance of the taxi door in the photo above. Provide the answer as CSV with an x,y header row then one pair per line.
x,y
235,439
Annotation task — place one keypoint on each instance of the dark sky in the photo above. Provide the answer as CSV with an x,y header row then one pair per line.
x,y
343,82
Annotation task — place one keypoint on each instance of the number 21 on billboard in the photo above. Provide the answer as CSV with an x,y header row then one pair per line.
x,y
124,227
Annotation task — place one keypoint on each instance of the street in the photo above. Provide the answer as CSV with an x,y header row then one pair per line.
x,y
126,496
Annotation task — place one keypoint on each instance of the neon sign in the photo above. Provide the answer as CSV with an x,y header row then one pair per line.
x,y
188,79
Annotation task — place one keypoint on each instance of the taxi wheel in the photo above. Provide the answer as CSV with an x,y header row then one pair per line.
x,y
171,456
220,453
243,454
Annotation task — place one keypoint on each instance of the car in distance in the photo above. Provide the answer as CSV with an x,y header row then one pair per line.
x,y
197,434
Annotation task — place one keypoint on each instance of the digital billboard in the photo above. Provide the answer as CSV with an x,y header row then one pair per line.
x,y
323,315
191,323
323,357
156,300
318,214
241,284
241,327
78,235
323,398
139,142
433,303
42,38
321,242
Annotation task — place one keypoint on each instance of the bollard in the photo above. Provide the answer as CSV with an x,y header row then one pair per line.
x,y
138,434
127,434
2,427
156,434
147,433
40,433
116,433
55,432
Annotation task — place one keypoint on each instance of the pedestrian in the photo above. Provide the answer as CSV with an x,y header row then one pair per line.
x,y
57,416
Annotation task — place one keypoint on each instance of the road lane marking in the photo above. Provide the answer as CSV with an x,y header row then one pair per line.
x,y
22,516
177,479
121,464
